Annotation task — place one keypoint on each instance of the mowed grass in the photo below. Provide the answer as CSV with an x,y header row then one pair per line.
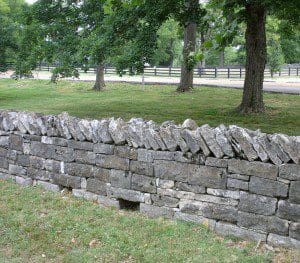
x,y
39,226
157,102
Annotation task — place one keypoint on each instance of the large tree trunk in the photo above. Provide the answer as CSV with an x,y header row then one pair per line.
x,y
222,59
256,56
99,84
190,32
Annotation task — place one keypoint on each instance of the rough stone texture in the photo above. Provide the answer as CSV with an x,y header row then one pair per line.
x,y
156,211
290,171
205,175
262,223
257,204
267,187
288,211
264,170
226,229
143,183
295,192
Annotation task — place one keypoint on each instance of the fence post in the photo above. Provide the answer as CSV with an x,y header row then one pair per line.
x,y
228,72
279,73
297,71
48,67
216,72
155,72
289,71
241,72
170,71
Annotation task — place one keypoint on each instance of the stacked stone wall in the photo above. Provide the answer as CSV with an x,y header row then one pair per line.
x,y
236,181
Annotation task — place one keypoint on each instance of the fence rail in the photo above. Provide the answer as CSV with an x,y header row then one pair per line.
x,y
233,72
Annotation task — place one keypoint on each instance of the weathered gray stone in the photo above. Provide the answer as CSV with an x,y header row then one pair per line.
x,y
209,210
143,168
153,137
96,186
104,148
160,200
176,133
224,193
107,202
4,141
135,134
55,141
288,146
262,154
262,223
277,240
216,200
84,170
39,174
206,176
42,150
267,187
210,223
155,211
226,229
245,142
223,142
167,137
197,189
85,157
145,155
189,124
16,142
294,230
176,194
103,132
95,126
82,193
17,170
86,129
237,184
284,157
143,183
48,186
112,162
115,129
67,181
120,179
125,152
22,160
83,183
264,170
125,194
171,170
52,166
78,145
195,141
61,124
63,154
23,181
165,184
257,204
6,176
222,163
163,155
262,139
294,194
288,211
290,171
209,137
239,177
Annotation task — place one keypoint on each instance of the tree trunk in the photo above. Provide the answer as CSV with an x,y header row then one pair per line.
x,y
256,57
99,84
222,59
187,69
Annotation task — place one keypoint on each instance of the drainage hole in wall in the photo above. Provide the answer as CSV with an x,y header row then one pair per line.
x,y
129,205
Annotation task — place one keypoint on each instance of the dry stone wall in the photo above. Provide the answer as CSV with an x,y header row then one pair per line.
x,y
237,181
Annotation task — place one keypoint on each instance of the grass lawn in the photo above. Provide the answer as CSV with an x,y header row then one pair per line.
x,y
159,103
39,226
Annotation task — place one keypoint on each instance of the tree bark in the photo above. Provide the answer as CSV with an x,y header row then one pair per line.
x,y
190,33
256,57
222,59
99,84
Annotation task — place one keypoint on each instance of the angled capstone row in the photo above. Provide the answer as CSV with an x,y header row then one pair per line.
x,y
220,142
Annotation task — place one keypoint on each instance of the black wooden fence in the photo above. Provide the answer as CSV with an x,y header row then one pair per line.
x,y
230,72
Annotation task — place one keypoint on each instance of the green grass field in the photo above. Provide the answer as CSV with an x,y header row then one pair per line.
x,y
159,103
39,226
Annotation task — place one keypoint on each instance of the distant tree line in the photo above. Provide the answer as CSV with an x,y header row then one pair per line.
x,y
134,33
